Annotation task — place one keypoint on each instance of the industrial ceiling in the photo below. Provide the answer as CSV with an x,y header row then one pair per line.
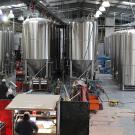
x,y
72,9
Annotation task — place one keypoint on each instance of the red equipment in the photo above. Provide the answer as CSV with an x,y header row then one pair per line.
x,y
94,101
6,116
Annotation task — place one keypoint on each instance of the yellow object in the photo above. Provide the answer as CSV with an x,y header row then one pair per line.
x,y
113,103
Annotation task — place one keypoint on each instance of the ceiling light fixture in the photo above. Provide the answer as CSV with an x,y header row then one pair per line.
x,y
106,3
102,8
5,19
99,12
11,15
21,18
96,16
97,2
128,3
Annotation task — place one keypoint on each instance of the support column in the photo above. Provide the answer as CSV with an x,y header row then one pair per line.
x,y
47,69
26,71
109,21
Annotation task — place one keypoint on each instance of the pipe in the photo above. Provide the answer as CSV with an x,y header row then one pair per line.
x,y
66,92
115,26
75,96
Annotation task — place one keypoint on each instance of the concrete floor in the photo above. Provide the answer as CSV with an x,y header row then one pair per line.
x,y
118,120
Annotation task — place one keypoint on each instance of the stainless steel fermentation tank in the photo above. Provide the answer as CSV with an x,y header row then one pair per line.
x,y
36,46
122,46
83,48
6,52
36,35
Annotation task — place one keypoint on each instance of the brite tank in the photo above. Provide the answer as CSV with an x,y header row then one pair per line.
x,y
83,48
36,38
36,45
122,46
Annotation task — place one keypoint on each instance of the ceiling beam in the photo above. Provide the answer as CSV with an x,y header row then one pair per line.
x,y
42,8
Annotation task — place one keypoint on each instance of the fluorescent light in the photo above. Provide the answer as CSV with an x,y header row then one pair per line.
x,y
97,2
99,12
2,7
14,6
106,3
1,13
8,6
11,15
18,5
41,1
128,3
5,19
102,9
5,7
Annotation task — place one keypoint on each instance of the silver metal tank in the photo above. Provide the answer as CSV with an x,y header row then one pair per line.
x,y
6,51
123,54
36,46
129,62
36,38
1,50
83,48
83,40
